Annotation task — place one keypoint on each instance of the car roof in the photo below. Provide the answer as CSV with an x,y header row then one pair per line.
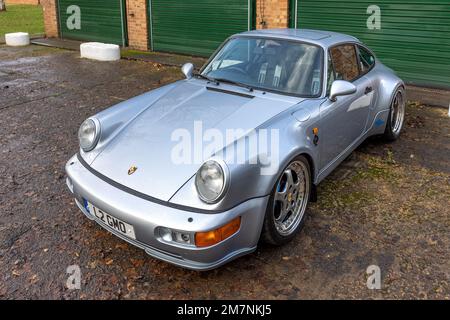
x,y
319,37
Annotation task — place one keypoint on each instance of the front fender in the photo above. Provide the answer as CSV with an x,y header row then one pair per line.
x,y
251,180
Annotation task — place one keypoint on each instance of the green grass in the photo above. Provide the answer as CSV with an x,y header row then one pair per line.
x,y
22,18
131,53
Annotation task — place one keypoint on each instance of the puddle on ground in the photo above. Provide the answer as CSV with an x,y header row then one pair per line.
x,y
19,61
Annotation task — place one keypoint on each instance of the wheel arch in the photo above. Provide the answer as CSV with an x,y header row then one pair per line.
x,y
389,83
296,153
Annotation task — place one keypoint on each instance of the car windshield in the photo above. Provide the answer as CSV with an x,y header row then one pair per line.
x,y
283,66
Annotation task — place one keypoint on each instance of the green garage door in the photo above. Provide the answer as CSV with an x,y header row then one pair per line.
x,y
197,27
410,36
93,20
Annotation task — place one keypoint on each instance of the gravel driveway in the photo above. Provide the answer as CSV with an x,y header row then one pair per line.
x,y
387,205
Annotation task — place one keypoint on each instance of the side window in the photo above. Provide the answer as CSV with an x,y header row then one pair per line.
x,y
331,75
345,62
366,59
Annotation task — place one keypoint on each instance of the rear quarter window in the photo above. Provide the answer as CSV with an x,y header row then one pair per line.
x,y
366,59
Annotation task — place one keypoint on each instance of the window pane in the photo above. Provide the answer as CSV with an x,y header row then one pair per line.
x,y
366,59
273,64
345,62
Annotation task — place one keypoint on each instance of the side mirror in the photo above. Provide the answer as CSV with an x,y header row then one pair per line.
x,y
341,88
188,70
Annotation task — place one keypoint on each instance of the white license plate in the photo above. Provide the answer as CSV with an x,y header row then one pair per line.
x,y
112,222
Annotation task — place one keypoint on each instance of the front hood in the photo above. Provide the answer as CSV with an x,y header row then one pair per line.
x,y
149,140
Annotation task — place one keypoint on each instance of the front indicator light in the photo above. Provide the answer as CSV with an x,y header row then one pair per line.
x,y
209,238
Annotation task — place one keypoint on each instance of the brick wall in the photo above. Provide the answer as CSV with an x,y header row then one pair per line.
x,y
272,14
50,18
137,24
35,2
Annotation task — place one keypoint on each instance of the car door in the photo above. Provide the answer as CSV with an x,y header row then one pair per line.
x,y
344,121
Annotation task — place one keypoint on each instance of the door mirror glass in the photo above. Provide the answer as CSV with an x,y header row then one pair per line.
x,y
188,70
341,88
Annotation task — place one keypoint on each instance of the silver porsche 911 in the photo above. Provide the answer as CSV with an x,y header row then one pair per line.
x,y
198,171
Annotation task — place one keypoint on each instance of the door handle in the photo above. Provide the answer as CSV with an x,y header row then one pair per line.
x,y
368,90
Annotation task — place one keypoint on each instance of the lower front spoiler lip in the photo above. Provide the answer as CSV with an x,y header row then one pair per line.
x,y
146,216
169,257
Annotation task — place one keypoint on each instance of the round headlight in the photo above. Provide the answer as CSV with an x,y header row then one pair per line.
x,y
88,134
210,181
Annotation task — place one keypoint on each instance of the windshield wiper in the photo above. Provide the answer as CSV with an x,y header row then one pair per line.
x,y
250,88
217,80
202,76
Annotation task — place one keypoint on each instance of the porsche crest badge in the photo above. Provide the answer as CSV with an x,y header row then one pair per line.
x,y
132,170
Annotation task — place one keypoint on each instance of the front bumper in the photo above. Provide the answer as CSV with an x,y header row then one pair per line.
x,y
145,216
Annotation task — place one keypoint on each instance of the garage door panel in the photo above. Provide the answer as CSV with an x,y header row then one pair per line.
x,y
397,34
101,20
413,38
196,27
